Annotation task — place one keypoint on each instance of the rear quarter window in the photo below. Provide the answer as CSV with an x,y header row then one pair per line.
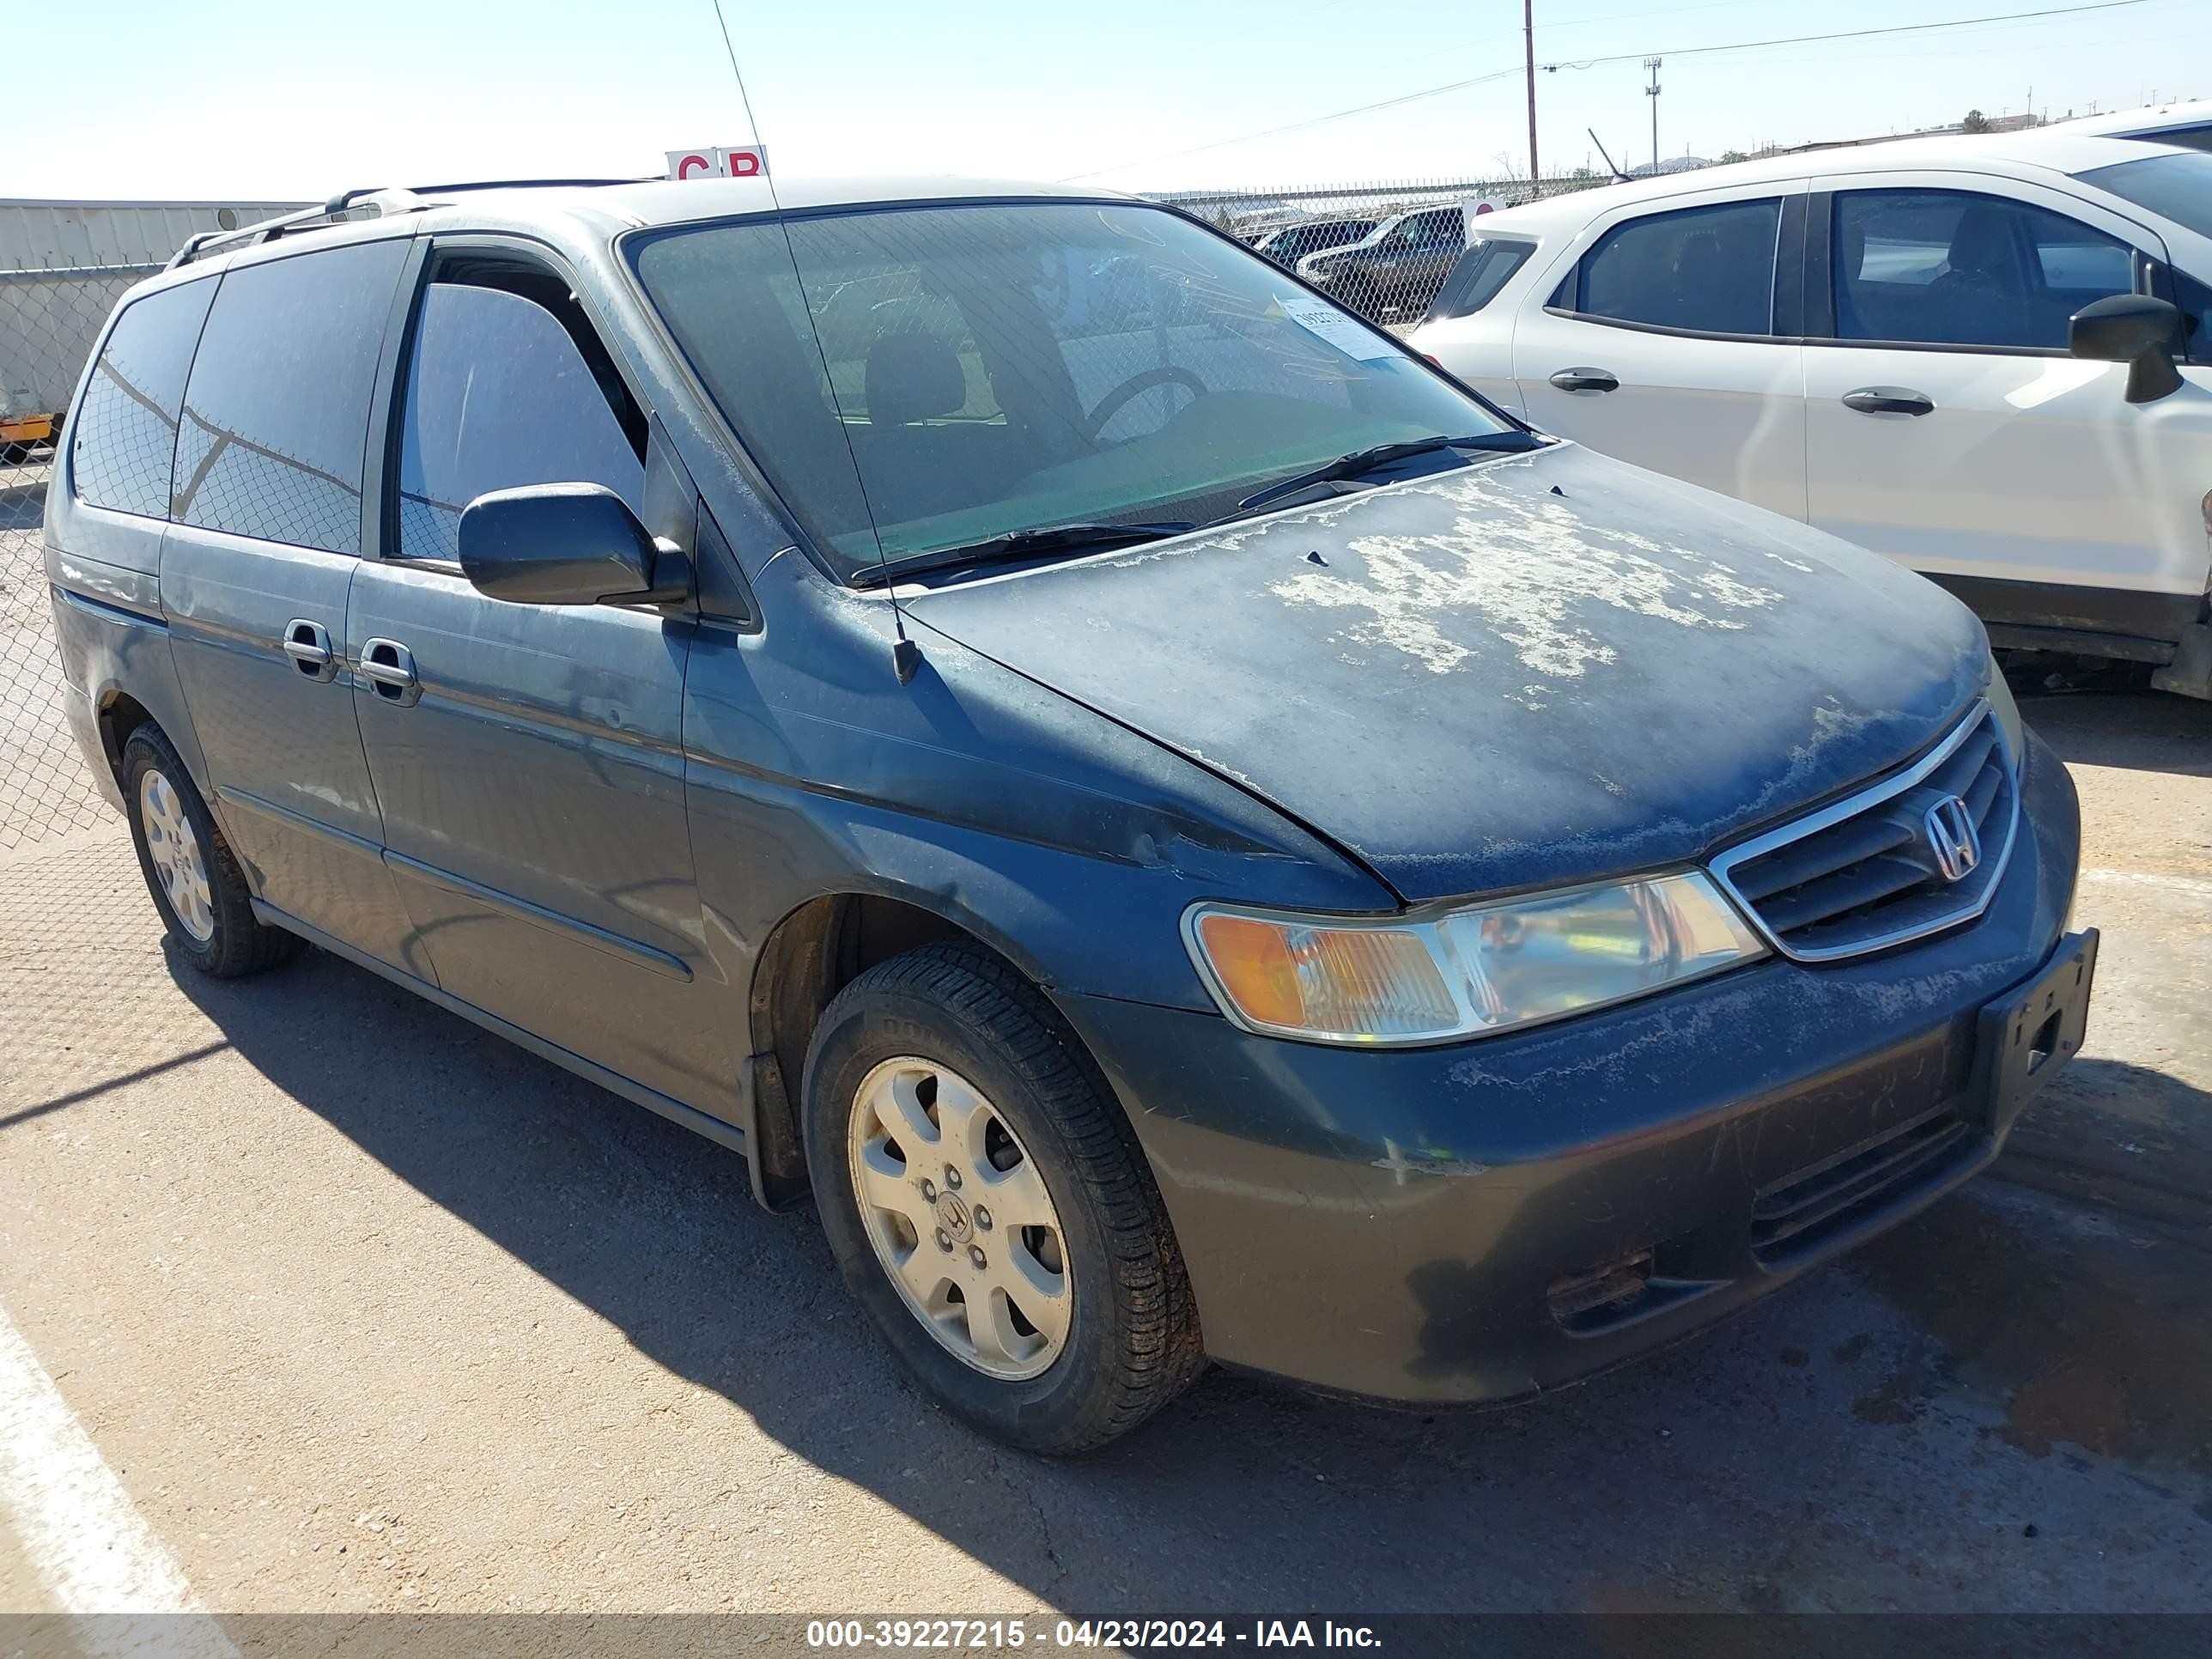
x,y
1482,271
126,427
275,414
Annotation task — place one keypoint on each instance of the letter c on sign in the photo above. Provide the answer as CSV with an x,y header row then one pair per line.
x,y
694,163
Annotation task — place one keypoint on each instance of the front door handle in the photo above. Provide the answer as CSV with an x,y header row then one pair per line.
x,y
308,645
1889,400
389,667
1585,379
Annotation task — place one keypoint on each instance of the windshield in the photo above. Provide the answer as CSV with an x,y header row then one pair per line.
x,y
2178,185
930,378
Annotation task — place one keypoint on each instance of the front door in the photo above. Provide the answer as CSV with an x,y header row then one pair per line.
x,y
255,571
1666,345
1948,427
527,758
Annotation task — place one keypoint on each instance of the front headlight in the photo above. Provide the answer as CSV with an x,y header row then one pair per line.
x,y
1465,972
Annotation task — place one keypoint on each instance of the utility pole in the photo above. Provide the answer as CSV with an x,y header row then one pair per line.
x,y
1652,93
1529,38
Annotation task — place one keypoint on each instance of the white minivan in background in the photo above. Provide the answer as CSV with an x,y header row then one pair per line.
x,y
1982,356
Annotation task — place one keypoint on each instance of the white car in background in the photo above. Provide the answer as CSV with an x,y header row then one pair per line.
x,y
2188,125
1984,357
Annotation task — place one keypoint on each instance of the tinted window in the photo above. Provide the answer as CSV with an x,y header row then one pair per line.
x,y
1482,270
1287,246
1435,228
1942,267
1711,269
126,429
2196,137
498,395
2179,187
1002,367
276,415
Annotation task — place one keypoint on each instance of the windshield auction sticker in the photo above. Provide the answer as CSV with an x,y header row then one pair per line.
x,y
1347,334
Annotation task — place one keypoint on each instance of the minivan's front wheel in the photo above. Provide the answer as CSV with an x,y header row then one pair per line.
x,y
189,869
989,1206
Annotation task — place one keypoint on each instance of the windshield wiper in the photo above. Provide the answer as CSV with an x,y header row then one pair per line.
x,y
1360,462
1026,544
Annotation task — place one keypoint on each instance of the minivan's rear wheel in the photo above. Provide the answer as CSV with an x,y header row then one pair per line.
x,y
189,867
989,1206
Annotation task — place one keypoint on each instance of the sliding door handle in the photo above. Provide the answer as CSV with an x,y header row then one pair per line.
x,y
389,667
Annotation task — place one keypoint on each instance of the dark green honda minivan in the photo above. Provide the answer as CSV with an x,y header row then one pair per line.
x,y
1186,834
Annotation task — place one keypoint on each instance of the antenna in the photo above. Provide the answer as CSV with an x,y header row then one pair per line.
x,y
1609,166
906,655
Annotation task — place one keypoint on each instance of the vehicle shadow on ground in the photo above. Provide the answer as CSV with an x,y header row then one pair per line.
x,y
1844,1445
2136,730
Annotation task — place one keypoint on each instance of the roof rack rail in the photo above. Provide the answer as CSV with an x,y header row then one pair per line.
x,y
527,184
379,198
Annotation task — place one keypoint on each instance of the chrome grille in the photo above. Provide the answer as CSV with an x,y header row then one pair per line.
x,y
1868,872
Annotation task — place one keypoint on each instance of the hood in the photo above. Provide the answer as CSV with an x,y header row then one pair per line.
x,y
1537,670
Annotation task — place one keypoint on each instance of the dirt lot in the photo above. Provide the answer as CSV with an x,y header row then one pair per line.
x,y
360,1309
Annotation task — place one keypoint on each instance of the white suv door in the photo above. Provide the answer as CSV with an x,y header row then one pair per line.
x,y
1664,343
1948,427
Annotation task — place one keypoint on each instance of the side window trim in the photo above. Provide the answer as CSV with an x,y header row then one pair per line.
x,y
1822,275
1570,287
388,417
379,503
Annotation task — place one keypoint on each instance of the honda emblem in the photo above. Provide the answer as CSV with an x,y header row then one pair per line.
x,y
1953,838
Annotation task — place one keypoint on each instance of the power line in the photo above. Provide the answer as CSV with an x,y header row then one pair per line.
x,y
1591,62
1846,34
1300,126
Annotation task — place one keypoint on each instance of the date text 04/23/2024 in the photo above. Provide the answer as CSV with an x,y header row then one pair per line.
x,y
989,1634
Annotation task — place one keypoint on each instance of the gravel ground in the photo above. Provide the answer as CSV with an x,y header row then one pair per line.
x,y
367,1310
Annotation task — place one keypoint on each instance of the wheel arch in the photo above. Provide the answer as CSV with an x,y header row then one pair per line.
x,y
119,715
818,949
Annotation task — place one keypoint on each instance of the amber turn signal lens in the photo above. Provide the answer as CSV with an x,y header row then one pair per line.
x,y
1252,961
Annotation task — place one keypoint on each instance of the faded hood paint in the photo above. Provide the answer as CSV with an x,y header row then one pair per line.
x,y
1542,669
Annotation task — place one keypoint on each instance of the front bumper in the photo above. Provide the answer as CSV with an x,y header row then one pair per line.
x,y
1482,1221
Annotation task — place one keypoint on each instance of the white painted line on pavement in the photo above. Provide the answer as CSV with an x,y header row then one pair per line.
x,y
2197,885
79,1529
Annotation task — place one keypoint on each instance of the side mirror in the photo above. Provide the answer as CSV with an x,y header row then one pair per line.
x,y
2134,329
568,543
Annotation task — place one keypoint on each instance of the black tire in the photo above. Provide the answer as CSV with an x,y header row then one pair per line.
x,y
1134,1344
239,944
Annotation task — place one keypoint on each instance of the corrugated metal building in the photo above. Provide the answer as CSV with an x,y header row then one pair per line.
x,y
62,266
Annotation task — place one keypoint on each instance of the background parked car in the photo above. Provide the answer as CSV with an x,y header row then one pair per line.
x,y
2188,125
1884,342
1394,272
1290,243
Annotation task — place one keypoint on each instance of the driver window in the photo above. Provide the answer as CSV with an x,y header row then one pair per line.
x,y
499,395
1947,267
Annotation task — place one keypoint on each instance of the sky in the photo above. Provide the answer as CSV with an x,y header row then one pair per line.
x,y
249,100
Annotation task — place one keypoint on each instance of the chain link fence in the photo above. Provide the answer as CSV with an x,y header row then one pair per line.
x,y
1382,248
50,316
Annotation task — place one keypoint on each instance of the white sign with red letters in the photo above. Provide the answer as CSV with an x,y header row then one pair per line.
x,y
719,162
